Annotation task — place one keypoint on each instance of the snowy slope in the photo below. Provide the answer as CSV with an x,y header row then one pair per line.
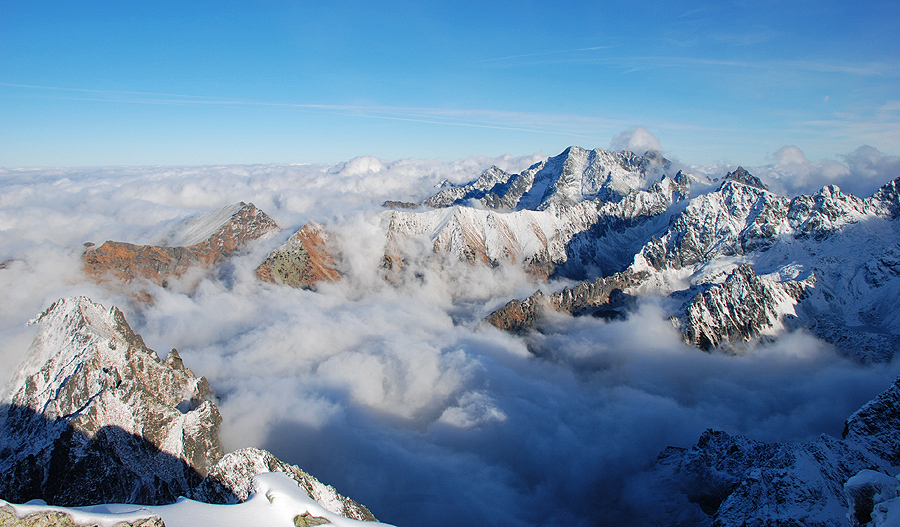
x,y
198,228
276,500
584,216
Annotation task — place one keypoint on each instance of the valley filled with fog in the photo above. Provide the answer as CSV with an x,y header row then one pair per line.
x,y
396,393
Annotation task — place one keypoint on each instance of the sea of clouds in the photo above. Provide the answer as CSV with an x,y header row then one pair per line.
x,y
395,393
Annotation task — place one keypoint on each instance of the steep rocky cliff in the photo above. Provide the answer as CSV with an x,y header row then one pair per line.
x,y
95,416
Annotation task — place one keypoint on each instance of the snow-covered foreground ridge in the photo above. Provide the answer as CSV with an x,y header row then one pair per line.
x,y
94,416
275,501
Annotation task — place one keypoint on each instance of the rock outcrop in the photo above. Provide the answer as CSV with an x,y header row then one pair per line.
x,y
198,242
302,261
9,518
598,297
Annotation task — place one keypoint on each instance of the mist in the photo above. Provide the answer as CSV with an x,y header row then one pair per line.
x,y
396,394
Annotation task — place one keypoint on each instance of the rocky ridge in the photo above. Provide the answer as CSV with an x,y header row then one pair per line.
x,y
94,416
201,241
729,480
802,240
231,481
581,209
741,308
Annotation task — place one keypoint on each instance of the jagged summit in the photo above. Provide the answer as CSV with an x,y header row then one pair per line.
x,y
573,176
742,176
92,399
839,249
200,241
94,416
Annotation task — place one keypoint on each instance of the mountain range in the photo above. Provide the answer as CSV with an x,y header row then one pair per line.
x,y
733,265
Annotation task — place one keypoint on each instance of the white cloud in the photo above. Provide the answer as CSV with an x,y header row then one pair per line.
x,y
636,139
395,394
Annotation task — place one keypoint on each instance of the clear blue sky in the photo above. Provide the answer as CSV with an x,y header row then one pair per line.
x,y
99,83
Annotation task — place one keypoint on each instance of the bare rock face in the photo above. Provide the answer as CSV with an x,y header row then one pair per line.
x,y
231,480
201,241
302,261
94,416
729,480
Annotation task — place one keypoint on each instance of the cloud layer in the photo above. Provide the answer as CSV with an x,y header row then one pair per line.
x,y
396,395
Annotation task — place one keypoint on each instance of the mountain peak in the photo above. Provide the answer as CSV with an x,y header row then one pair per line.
x,y
741,175
92,399
200,241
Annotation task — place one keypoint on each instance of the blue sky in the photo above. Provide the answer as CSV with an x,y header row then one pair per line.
x,y
107,83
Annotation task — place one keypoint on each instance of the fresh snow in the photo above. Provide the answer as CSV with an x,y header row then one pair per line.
x,y
275,501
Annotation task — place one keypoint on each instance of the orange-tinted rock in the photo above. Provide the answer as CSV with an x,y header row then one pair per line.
x,y
302,261
127,261
518,316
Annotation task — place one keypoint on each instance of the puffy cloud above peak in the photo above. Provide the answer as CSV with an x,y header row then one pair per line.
x,y
636,139
361,165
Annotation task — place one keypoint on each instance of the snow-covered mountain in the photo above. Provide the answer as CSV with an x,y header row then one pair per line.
x,y
729,480
577,214
841,248
94,416
573,176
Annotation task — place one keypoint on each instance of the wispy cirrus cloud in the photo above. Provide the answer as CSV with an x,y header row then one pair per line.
x,y
546,53
544,123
